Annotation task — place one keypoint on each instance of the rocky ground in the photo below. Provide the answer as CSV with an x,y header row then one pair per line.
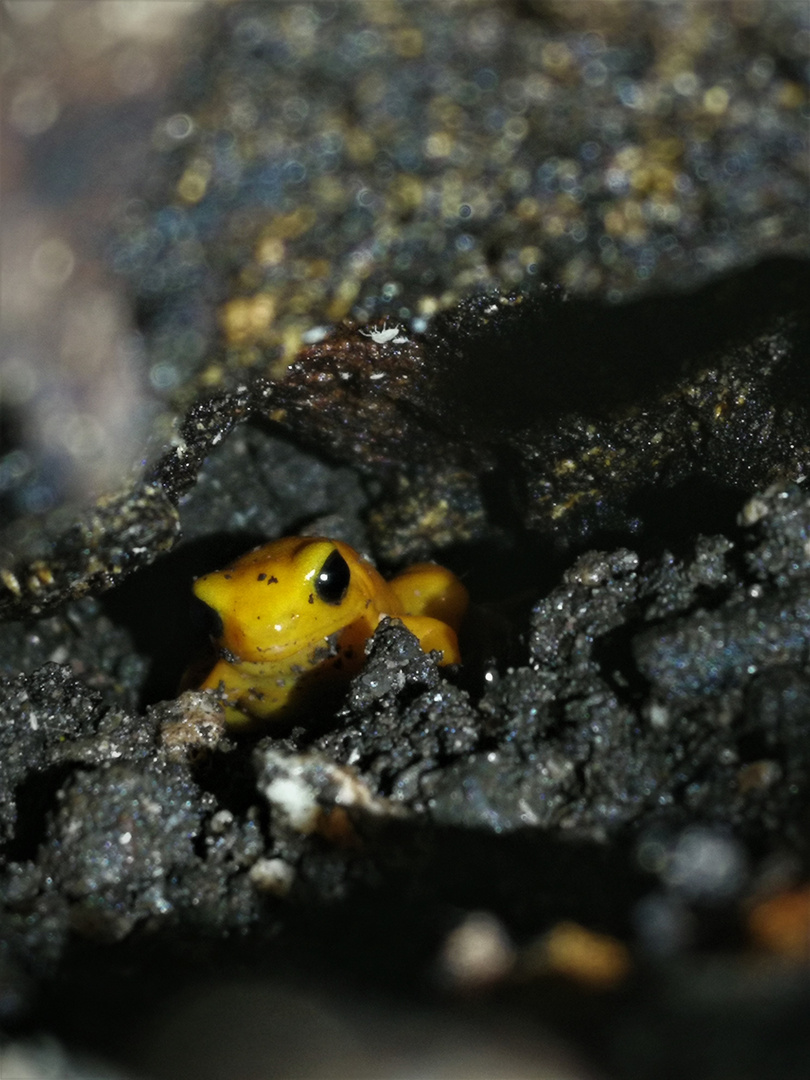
x,y
518,287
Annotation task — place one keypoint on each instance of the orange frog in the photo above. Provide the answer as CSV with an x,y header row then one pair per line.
x,y
296,614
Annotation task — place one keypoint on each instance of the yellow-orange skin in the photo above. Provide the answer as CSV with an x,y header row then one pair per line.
x,y
284,651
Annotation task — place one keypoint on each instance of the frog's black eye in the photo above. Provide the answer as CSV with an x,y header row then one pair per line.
x,y
333,579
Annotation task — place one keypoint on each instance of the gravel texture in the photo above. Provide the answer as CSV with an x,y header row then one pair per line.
x,y
519,287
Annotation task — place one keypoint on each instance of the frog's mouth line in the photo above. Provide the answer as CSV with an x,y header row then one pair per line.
x,y
306,655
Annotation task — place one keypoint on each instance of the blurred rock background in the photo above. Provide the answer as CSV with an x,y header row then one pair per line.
x,y
162,163
83,84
